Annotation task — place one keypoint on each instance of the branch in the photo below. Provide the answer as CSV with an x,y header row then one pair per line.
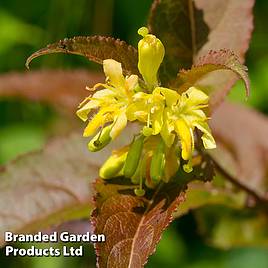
x,y
261,200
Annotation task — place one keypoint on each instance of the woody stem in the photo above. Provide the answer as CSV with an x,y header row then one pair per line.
x,y
258,198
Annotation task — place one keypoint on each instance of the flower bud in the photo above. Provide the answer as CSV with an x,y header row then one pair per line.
x,y
113,165
157,167
151,54
139,173
101,139
133,157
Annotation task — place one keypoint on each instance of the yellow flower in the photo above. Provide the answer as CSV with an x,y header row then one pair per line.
x,y
182,117
168,119
110,102
166,112
147,108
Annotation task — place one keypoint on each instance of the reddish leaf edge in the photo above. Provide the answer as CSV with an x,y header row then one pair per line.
x,y
214,60
93,219
162,203
68,46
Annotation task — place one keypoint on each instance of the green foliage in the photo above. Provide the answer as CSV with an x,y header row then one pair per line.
x,y
233,228
19,139
24,32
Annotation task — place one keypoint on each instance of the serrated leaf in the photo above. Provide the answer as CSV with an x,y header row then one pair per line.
x,y
231,26
218,25
48,187
133,225
45,188
181,28
242,146
94,48
213,61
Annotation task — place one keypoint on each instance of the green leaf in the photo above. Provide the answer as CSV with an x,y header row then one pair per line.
x,y
133,225
181,28
14,31
94,48
213,61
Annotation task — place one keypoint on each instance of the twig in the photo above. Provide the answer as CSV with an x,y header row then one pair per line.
x,y
258,198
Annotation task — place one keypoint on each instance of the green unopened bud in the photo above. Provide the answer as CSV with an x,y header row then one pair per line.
x,y
133,157
113,165
151,54
135,179
157,167
100,140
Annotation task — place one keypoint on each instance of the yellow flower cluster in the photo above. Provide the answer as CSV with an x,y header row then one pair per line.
x,y
168,119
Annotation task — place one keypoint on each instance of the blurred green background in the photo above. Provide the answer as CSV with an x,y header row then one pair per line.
x,y
26,26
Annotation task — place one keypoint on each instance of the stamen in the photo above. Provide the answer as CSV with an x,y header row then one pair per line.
x,y
140,191
143,31
148,120
97,141
188,167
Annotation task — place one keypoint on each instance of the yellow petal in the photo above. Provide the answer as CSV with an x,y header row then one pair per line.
x,y
171,96
82,113
194,116
207,138
167,128
104,93
141,96
157,120
132,83
119,125
185,134
97,121
196,97
113,71
137,111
